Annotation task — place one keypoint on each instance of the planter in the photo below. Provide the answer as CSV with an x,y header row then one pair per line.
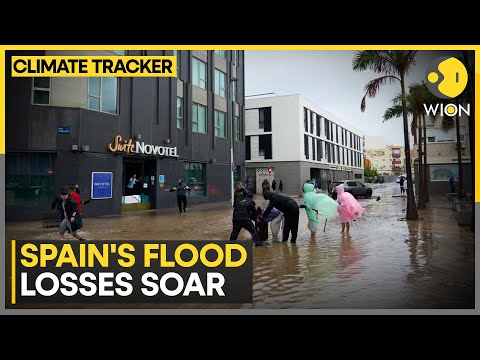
x,y
457,202
463,213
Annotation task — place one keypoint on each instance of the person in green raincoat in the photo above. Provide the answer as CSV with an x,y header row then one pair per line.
x,y
315,205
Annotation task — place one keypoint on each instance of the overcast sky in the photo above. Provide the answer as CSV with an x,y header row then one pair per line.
x,y
326,78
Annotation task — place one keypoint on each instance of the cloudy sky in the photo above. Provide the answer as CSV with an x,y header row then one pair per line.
x,y
326,78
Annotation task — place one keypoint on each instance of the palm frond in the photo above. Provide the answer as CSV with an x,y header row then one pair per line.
x,y
373,86
397,100
363,60
363,104
393,112
402,60
448,123
374,60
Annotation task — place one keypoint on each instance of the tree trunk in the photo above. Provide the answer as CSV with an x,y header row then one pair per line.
x,y
421,172
471,129
412,212
461,192
425,162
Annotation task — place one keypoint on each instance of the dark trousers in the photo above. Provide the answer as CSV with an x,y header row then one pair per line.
x,y
291,223
59,213
182,202
247,225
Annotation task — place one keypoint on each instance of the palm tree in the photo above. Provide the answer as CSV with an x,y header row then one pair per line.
x,y
422,96
415,99
394,65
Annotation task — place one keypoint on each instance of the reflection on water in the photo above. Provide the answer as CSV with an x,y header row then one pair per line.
x,y
383,263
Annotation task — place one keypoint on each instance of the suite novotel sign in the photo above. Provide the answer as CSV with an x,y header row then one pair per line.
x,y
127,146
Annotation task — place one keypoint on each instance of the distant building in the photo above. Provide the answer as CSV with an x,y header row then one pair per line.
x,y
442,157
388,160
298,140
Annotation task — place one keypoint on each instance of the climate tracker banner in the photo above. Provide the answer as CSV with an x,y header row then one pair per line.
x,y
50,272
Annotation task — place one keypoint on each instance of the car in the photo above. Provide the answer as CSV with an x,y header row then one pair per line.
x,y
354,187
398,178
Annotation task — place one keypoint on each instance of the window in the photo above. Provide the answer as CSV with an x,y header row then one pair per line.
x,y
199,118
221,53
119,52
265,119
177,54
41,91
265,146
194,175
314,151
305,145
199,73
235,57
234,90
220,121
312,114
237,128
305,119
431,138
102,94
29,179
220,79
237,175
179,113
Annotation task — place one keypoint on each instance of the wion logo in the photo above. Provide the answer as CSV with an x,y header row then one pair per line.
x,y
446,78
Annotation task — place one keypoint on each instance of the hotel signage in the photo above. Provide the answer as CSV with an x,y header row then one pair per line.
x,y
139,147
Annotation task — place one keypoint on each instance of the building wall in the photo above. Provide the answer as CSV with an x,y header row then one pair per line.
x,y
285,128
146,111
441,145
287,171
288,131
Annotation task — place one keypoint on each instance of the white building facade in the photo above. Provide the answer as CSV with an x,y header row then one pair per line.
x,y
298,140
442,155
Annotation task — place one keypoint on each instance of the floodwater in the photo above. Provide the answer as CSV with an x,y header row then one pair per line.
x,y
384,263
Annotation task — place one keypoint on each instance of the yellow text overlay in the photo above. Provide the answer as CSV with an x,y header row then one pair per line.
x,y
93,66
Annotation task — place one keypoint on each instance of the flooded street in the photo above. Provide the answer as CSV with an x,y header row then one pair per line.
x,y
384,263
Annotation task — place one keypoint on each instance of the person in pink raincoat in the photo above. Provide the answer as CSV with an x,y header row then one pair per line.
x,y
348,207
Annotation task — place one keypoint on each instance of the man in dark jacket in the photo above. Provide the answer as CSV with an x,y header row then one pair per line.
x,y
290,210
243,214
240,193
71,219
181,190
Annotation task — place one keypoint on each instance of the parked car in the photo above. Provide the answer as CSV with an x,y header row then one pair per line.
x,y
354,187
